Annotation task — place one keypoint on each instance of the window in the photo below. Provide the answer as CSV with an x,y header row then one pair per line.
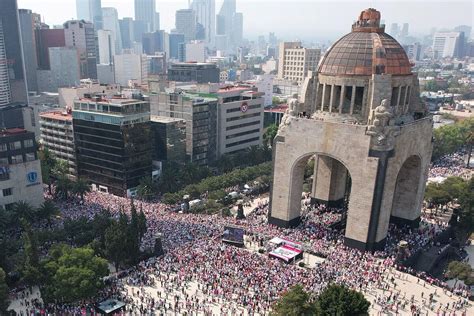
x,y
9,206
30,156
7,192
17,159
3,161
3,147
15,145
28,143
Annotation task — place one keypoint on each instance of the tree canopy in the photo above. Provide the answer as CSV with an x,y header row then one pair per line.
x,y
340,300
294,302
4,302
73,274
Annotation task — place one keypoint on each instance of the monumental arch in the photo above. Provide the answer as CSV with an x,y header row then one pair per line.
x,y
361,117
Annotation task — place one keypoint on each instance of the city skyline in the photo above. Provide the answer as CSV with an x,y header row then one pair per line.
x,y
309,27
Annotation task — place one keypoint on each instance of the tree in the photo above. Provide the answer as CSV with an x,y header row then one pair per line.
x,y
431,85
48,163
22,209
460,271
47,210
63,186
142,224
340,300
270,134
116,247
4,302
133,235
294,302
30,269
80,187
73,274
146,189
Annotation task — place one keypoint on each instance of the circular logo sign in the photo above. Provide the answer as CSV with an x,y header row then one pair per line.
x,y
244,107
32,177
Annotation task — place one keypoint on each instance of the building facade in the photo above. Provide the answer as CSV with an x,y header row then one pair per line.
x,y
13,51
28,41
91,11
295,61
194,72
240,119
20,169
58,136
80,34
64,70
186,23
106,47
200,115
448,44
112,140
111,23
145,12
206,16
169,139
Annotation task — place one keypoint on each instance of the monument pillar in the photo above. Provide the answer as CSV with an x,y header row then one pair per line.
x,y
329,182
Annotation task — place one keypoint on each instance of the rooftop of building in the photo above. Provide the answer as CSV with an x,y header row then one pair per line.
x,y
366,50
12,131
193,64
113,100
57,115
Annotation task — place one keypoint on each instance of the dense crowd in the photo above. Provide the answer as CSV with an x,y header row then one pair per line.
x,y
452,165
200,274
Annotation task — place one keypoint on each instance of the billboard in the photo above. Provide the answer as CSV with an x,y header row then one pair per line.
x,y
234,235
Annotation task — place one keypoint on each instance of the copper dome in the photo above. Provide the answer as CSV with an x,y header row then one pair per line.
x,y
365,51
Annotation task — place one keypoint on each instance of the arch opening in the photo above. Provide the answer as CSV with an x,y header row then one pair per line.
x,y
406,203
320,191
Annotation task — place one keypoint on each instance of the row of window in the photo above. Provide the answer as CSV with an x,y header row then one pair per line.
x,y
253,131
231,119
17,159
242,125
250,107
245,141
27,143
7,192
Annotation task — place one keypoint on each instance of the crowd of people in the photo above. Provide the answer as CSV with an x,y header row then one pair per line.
x,y
452,165
200,274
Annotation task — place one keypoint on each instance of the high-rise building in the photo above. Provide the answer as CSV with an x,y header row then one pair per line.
x,y
46,38
91,11
106,47
175,39
81,35
448,44
112,140
128,67
413,51
169,139
206,16
111,22
13,52
126,31
5,93
64,70
466,29
404,32
28,41
153,42
186,23
230,23
394,30
296,61
145,11
200,114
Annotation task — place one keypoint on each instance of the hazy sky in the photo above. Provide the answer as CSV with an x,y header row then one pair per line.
x,y
292,19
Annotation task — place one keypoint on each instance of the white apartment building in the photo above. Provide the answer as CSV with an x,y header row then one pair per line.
x,y
58,136
295,61
447,44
